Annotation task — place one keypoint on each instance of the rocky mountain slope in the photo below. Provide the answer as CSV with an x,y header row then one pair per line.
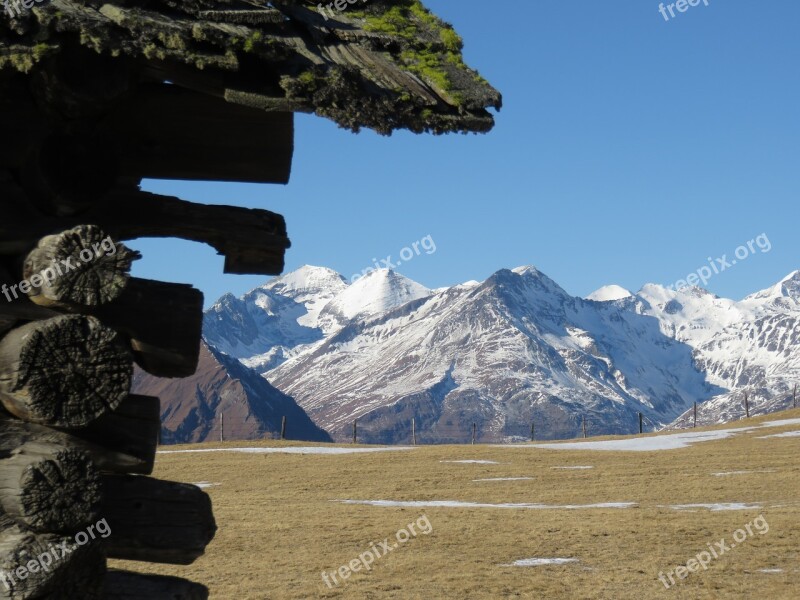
x,y
514,350
750,347
192,408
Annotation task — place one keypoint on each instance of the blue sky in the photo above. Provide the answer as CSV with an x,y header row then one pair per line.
x,y
629,150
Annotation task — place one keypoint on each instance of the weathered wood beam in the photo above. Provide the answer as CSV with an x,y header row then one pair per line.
x,y
132,430
65,174
49,488
80,267
108,454
252,240
124,585
156,521
62,88
169,132
72,570
164,322
65,371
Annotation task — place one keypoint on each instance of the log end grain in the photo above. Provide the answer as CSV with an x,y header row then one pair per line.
x,y
79,267
64,372
50,488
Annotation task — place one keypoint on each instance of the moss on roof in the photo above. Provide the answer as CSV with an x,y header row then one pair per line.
x,y
382,64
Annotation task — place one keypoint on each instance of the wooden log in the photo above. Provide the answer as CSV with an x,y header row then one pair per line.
x,y
38,566
78,267
11,313
79,83
173,132
66,371
109,455
156,521
49,488
124,585
252,241
66,174
131,430
163,322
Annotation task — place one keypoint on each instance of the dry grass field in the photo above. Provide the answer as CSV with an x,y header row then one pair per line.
x,y
280,527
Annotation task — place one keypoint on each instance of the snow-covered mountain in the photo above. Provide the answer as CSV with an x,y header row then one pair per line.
x,y
514,350
751,347
265,326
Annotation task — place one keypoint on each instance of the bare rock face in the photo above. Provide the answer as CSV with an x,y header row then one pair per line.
x,y
224,390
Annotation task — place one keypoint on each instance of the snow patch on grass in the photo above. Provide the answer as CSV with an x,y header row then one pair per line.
x,y
505,479
727,473
294,450
782,423
459,504
539,562
577,468
715,507
785,434
673,441
472,462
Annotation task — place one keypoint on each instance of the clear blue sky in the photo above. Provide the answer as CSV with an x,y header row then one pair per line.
x,y
629,150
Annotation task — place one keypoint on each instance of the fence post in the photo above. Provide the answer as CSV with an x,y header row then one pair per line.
x,y
222,427
474,430
414,430
355,431
695,415
584,426
641,424
794,396
533,432
746,405
283,428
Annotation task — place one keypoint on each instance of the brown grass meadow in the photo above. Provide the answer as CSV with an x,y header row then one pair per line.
x,y
280,527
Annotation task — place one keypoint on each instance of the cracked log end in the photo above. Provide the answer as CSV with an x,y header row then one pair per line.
x,y
73,571
50,488
64,372
79,267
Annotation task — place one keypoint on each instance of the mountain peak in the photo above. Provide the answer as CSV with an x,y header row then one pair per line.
x,y
791,284
531,278
608,293
377,292
308,278
788,287
526,270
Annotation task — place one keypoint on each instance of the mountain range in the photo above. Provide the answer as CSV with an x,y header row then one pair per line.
x,y
508,352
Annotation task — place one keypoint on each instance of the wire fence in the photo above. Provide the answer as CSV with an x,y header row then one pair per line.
x,y
412,432
418,431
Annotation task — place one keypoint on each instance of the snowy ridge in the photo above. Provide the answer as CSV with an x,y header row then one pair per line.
x,y
609,293
508,351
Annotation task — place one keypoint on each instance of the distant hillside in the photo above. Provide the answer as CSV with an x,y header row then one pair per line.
x,y
191,408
